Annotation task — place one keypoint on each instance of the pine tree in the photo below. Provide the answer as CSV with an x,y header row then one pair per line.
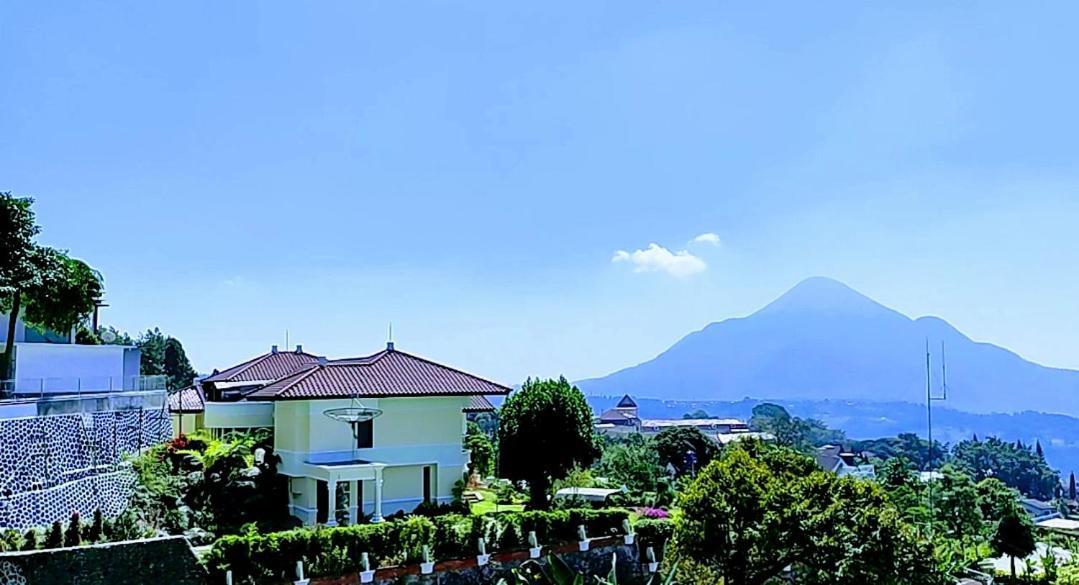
x,y
55,538
30,540
96,529
975,437
73,534
1071,487
1038,449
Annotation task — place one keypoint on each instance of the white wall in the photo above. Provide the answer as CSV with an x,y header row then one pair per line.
x,y
59,368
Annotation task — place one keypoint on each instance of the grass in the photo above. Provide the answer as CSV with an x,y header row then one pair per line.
x,y
490,504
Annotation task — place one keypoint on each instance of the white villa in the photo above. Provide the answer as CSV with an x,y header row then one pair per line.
x,y
382,432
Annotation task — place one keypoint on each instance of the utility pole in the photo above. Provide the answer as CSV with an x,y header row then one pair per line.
x,y
929,399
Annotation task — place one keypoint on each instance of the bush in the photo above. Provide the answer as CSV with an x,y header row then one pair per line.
x,y
654,533
55,538
73,534
332,552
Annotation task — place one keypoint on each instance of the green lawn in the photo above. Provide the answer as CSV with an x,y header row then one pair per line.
x,y
489,504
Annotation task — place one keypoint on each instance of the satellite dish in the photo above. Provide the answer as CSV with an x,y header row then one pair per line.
x,y
108,336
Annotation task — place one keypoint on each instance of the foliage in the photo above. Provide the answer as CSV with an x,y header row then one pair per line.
x,y
47,287
481,450
164,355
1015,465
791,431
55,537
271,557
758,509
73,533
545,430
1014,537
654,533
96,531
908,446
633,462
675,444
199,486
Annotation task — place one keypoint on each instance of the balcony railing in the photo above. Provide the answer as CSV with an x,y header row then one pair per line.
x,y
24,388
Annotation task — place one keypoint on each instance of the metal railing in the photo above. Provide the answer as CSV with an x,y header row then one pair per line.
x,y
42,388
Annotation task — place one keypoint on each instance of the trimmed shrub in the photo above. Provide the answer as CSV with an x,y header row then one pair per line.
x,y
654,533
332,552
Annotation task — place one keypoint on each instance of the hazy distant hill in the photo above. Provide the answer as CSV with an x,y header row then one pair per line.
x,y
823,340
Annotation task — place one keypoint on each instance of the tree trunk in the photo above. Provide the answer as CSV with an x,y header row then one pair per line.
x,y
537,493
9,344
1013,568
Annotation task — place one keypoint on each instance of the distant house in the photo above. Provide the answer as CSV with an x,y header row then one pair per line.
x,y
1039,510
833,459
382,432
625,418
187,407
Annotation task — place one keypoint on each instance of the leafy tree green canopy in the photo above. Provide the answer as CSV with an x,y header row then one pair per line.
x,y
758,509
1014,537
1013,464
47,287
675,443
791,431
545,430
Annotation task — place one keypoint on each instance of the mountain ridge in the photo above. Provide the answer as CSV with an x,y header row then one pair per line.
x,y
824,340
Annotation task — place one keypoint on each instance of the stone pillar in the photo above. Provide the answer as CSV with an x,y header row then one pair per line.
x,y
377,517
331,489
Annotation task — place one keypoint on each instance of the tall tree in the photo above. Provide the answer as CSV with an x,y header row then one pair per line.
x,y
1014,537
164,355
17,231
545,430
683,448
46,287
1071,486
758,509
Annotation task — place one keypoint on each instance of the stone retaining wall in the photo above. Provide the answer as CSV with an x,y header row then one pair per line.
x,y
157,561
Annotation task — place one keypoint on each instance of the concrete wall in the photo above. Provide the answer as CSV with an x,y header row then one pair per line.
x,y
59,368
161,560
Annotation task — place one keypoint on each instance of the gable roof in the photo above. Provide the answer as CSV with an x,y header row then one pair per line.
x,y
384,374
188,399
266,367
616,415
626,402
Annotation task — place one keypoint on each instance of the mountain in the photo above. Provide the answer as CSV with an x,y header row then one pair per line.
x,y
823,340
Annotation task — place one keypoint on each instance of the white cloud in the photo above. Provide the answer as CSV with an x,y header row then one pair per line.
x,y
656,258
707,238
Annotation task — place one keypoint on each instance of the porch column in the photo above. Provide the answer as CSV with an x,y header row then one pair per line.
x,y
331,488
353,502
377,517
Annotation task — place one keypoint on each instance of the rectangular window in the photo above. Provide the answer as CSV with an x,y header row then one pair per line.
x,y
365,434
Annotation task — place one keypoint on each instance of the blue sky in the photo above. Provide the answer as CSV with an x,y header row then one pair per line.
x,y
470,172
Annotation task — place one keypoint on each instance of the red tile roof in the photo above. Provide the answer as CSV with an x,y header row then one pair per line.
x,y
479,403
268,366
384,374
188,399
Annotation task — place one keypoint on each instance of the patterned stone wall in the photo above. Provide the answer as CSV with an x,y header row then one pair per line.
x,y
52,465
167,561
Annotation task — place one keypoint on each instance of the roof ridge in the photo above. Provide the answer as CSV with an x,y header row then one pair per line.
x,y
445,367
299,376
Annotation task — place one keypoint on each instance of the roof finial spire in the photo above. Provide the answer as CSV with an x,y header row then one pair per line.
x,y
389,342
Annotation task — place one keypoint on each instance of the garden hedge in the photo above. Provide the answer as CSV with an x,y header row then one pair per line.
x,y
330,552
654,533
